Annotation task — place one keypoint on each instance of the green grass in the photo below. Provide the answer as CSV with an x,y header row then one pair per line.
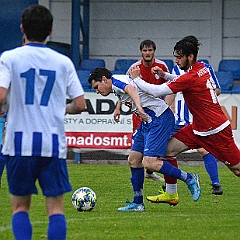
x,y
212,217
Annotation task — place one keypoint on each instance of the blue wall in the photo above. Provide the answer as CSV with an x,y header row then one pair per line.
x,y
10,19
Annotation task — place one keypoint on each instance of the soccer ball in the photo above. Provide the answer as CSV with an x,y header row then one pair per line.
x,y
84,199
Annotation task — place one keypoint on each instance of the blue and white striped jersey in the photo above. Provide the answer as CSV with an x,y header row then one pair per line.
x,y
182,114
38,79
119,82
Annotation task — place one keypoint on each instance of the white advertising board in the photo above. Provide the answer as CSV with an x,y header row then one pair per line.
x,y
96,129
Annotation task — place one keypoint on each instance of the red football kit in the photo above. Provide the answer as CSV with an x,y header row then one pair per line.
x,y
210,128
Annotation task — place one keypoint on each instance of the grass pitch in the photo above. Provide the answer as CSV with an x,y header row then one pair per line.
x,y
212,217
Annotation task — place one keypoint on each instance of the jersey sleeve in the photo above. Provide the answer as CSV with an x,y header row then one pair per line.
x,y
5,77
152,89
74,88
179,83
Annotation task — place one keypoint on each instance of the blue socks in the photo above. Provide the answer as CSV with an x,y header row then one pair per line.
x,y
137,180
169,170
211,166
21,226
57,228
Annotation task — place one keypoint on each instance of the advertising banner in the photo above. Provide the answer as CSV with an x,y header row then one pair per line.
x,y
95,128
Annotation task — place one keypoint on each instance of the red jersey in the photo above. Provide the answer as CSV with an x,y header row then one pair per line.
x,y
201,99
146,73
149,77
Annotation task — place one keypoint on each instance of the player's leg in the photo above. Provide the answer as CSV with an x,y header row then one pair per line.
x,y
176,146
211,166
137,180
57,227
167,193
54,182
21,182
235,169
137,173
21,225
157,143
225,150
191,179
152,175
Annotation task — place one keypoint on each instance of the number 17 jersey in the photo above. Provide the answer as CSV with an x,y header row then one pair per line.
x,y
38,80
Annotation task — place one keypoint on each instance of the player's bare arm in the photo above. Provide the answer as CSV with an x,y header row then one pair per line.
x,y
3,93
76,106
133,94
116,115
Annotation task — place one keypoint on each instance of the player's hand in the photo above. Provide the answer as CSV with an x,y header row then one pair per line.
x,y
143,115
134,72
157,70
2,112
116,116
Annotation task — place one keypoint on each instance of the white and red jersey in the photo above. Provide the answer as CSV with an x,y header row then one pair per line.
x,y
197,88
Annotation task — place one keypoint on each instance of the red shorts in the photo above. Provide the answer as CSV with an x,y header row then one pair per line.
x,y
221,144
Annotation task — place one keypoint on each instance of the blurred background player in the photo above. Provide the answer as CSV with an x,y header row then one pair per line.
x,y
35,147
147,50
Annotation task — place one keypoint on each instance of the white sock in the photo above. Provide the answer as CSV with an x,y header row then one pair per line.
x,y
171,188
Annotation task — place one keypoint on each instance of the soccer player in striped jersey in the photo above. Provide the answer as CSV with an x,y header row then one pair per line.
x,y
210,128
148,61
151,139
36,80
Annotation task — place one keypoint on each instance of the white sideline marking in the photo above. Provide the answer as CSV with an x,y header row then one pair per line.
x,y
138,215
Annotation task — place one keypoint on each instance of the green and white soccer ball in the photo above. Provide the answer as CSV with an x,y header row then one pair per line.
x,y
84,199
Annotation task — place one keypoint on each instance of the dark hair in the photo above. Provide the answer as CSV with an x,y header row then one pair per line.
x,y
37,22
188,45
98,73
147,43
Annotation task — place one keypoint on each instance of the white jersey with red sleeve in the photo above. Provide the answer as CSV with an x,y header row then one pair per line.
x,y
198,91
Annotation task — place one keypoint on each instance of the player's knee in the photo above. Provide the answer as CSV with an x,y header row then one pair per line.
x,y
237,173
145,163
202,151
134,162
148,163
235,169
